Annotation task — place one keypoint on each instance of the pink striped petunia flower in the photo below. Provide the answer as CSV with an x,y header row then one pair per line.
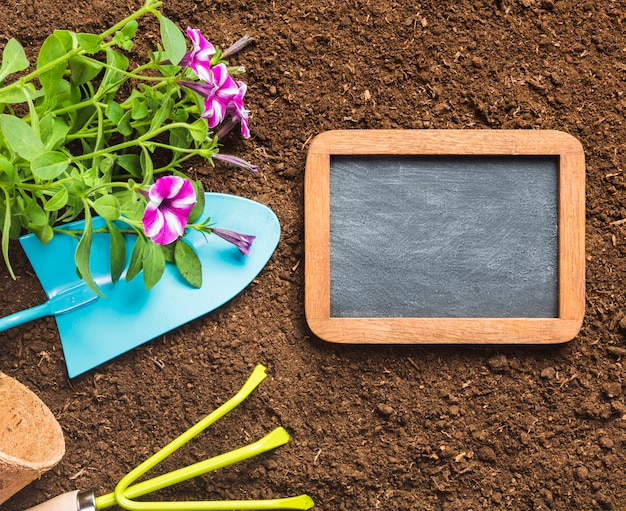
x,y
171,200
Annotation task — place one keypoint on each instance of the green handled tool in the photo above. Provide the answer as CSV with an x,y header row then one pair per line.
x,y
127,490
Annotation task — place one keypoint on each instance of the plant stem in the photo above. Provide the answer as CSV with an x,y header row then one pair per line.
x,y
133,143
149,6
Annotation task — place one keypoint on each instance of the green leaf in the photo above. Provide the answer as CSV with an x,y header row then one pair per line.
x,y
168,252
49,165
147,167
67,95
106,166
6,234
114,112
130,163
124,38
71,94
83,253
162,114
21,137
180,137
118,252
139,109
44,233
7,168
199,130
124,126
13,59
66,38
174,42
181,114
15,95
136,258
75,204
153,266
133,207
16,226
83,117
58,200
108,207
84,70
60,129
112,76
91,43
130,29
119,61
35,215
51,50
199,206
188,263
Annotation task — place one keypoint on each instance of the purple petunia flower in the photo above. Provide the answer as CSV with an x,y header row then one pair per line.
x,y
199,58
217,92
242,241
235,160
171,200
237,110
237,46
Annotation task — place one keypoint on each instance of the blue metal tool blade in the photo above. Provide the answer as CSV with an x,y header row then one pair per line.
x,y
130,315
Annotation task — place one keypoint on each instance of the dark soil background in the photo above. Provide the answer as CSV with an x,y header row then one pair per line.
x,y
389,428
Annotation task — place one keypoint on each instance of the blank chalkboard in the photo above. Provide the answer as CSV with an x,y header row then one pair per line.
x,y
471,237
444,236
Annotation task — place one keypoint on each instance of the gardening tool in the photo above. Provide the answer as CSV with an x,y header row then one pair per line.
x,y
126,489
64,301
129,315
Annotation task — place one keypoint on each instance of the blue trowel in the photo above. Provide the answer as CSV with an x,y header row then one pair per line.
x,y
94,329
60,302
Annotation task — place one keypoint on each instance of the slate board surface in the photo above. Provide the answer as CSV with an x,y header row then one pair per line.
x,y
442,236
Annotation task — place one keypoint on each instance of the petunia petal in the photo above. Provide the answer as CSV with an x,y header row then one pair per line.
x,y
238,111
199,58
152,220
202,48
165,187
214,111
175,222
242,241
226,87
171,200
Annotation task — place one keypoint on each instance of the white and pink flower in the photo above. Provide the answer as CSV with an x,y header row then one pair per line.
x,y
222,94
199,58
218,93
171,200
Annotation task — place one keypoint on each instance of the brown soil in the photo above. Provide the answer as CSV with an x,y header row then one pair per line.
x,y
390,428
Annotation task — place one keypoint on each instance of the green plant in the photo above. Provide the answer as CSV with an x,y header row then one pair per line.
x,y
83,132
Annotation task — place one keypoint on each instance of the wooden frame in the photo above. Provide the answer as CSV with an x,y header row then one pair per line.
x,y
571,242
